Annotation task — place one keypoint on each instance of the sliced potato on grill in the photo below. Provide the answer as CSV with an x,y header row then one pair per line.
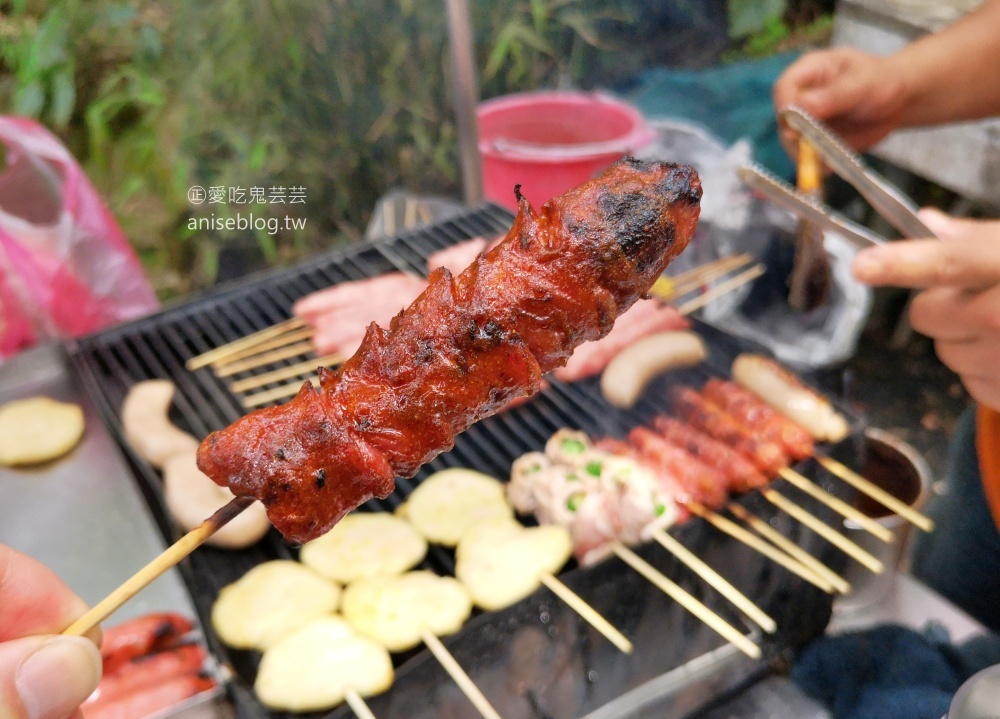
x,y
271,601
395,611
502,563
38,429
312,668
449,502
365,544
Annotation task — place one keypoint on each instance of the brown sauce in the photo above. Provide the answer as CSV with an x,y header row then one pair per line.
x,y
890,470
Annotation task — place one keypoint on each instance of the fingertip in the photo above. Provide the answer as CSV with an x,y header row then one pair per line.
x,y
938,222
54,675
818,103
868,267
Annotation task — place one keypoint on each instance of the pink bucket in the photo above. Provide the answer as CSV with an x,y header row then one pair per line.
x,y
550,142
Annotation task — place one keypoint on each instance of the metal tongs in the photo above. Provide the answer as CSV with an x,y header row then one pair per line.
x,y
898,209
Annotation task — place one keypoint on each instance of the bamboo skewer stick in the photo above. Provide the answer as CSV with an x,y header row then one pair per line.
x,y
784,543
691,280
358,705
665,283
587,612
269,395
409,213
283,341
285,373
721,289
865,486
667,287
459,676
754,542
264,359
716,580
837,505
206,358
828,533
710,618
167,559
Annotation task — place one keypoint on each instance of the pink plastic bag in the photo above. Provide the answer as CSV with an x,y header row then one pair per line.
x,y
66,269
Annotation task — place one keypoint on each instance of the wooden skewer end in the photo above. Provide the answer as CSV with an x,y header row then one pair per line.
x,y
358,705
577,604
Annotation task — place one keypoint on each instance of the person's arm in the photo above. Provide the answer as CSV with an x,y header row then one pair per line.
x,y
42,675
953,74
946,76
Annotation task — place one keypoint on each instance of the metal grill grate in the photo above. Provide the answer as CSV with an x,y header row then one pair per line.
x,y
490,646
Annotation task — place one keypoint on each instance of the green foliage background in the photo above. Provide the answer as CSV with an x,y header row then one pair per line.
x,y
348,98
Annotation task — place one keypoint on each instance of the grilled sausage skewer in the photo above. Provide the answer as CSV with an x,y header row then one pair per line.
x,y
465,348
749,440
741,402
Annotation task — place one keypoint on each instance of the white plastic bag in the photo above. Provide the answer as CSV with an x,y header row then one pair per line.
x,y
732,221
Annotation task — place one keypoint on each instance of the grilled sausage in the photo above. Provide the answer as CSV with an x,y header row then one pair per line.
x,y
464,348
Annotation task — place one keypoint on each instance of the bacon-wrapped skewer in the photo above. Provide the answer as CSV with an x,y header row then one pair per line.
x,y
614,501
464,348
779,500
668,485
600,496
813,413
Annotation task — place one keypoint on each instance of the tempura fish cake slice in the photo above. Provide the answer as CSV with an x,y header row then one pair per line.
x,y
365,544
315,666
449,502
270,602
395,611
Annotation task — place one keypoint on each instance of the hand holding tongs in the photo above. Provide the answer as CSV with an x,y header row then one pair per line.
x,y
887,199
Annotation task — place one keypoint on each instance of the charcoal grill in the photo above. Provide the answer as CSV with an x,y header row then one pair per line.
x,y
535,659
